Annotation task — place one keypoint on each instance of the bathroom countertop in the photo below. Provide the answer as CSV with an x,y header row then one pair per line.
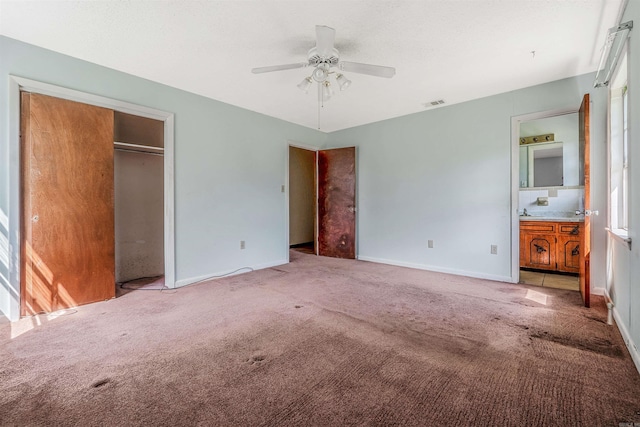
x,y
553,216
576,218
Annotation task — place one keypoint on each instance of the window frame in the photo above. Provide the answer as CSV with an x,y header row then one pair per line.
x,y
618,149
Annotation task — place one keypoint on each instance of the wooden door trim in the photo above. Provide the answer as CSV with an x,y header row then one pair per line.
x,y
18,84
515,180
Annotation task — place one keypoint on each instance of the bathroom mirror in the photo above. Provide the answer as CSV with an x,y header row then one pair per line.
x,y
544,164
550,164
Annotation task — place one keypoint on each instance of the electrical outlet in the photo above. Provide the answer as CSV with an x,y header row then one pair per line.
x,y
242,244
494,249
430,243
282,189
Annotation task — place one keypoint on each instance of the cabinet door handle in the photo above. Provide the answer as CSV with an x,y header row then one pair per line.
x,y
575,231
539,248
576,251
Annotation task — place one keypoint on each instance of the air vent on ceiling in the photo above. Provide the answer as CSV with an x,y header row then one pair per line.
x,y
434,103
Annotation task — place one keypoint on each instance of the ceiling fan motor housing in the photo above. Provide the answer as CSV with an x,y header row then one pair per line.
x,y
316,59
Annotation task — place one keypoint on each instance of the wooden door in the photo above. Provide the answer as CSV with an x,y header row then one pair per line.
x,y
585,244
67,239
337,203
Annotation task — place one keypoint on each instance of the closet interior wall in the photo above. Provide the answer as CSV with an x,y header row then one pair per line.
x,y
138,197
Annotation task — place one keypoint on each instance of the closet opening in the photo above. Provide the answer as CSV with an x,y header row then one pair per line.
x,y
138,202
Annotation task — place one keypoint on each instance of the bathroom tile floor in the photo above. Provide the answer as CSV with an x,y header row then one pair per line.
x,y
550,280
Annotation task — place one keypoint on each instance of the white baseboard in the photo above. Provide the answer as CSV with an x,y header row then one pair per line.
x,y
437,269
220,275
631,346
633,349
598,291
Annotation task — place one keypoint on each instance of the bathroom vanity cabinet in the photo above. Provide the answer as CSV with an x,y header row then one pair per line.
x,y
550,245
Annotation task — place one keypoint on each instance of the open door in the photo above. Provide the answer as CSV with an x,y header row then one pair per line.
x,y
585,244
337,203
67,225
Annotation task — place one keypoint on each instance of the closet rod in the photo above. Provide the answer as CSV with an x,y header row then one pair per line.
x,y
136,147
138,152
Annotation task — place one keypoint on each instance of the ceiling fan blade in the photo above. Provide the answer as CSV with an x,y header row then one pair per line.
x,y
372,70
325,37
260,70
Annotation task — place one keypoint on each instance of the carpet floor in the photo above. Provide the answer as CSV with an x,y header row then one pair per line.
x,y
322,342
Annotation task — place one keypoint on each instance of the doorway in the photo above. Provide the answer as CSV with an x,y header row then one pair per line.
x,y
92,202
322,201
19,85
302,199
550,231
138,201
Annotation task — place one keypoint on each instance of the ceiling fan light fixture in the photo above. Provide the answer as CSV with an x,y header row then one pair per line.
x,y
320,74
326,91
305,84
343,82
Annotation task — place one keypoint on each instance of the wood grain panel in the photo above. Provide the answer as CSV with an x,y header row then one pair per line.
x,y
572,229
542,253
585,252
569,253
336,203
67,174
536,226
553,246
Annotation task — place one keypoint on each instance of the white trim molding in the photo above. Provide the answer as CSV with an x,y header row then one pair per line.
x,y
215,276
626,336
426,267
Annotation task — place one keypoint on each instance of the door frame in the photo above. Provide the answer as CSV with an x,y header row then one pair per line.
x,y
515,180
316,181
18,84
286,186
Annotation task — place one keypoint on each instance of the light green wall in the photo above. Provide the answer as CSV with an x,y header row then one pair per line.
x,y
445,175
230,164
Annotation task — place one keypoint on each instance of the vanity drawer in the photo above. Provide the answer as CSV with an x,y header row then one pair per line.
x,y
571,229
538,227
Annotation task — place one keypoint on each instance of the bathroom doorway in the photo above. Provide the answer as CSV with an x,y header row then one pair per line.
x,y
551,232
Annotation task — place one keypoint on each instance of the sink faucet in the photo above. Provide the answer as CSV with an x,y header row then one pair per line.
x,y
525,213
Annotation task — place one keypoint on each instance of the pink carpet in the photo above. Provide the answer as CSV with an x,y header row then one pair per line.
x,y
322,342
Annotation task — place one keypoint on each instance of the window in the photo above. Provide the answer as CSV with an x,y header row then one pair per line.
x,y
618,149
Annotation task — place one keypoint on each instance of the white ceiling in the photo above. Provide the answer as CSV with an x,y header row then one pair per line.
x,y
455,50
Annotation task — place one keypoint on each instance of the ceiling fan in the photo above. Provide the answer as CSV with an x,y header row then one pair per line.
x,y
324,58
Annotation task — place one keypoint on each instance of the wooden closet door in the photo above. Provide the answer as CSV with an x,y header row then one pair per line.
x,y
67,204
